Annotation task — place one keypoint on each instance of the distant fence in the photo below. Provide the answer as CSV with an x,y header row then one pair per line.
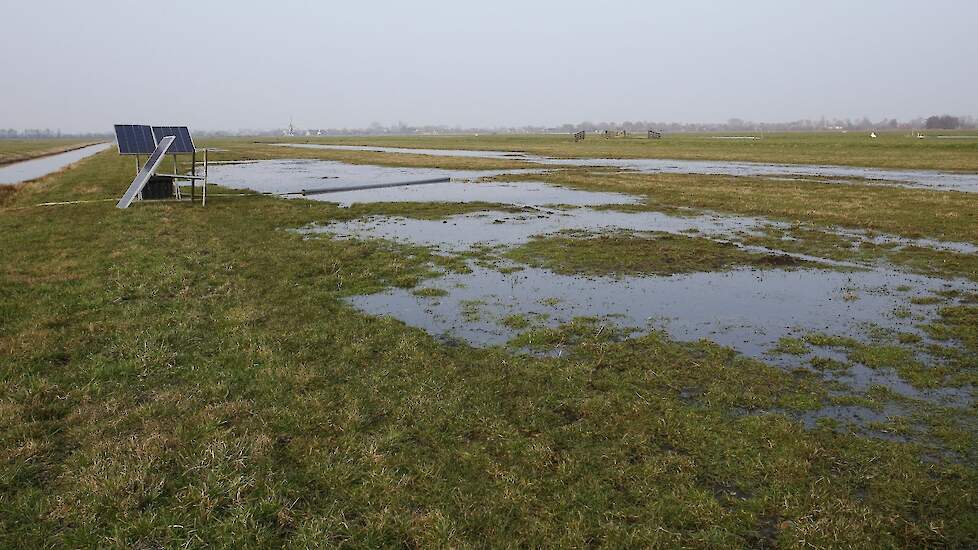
x,y
579,136
655,135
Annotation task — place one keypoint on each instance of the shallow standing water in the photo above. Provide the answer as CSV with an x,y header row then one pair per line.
x,y
746,309
925,179
292,176
19,172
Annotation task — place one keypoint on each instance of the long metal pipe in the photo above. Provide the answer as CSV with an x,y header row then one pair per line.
x,y
324,190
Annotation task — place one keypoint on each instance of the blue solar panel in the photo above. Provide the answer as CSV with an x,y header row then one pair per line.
x,y
182,142
134,139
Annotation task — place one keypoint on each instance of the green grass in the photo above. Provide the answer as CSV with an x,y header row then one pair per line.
x,y
249,149
15,150
826,244
905,212
950,365
419,210
516,322
791,346
429,292
180,376
574,252
890,150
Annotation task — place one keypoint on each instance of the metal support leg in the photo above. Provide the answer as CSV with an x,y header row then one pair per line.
x,y
203,200
176,185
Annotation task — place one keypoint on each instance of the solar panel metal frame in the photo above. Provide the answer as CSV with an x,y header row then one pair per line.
x,y
152,163
135,139
183,143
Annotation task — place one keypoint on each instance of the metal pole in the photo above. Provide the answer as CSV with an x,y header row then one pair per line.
x,y
176,172
324,190
193,172
203,200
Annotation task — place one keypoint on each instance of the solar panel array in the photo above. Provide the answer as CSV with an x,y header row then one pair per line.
x,y
182,142
140,139
134,139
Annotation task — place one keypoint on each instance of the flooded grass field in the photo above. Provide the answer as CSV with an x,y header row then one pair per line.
x,y
538,261
967,183
741,346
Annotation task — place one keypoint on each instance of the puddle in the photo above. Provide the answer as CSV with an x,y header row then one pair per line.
x,y
861,237
27,170
852,416
855,414
904,178
463,232
748,310
904,242
501,155
289,176
292,176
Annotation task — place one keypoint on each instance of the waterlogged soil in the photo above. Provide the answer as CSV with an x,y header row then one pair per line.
x,y
926,179
291,177
294,176
753,303
640,253
460,233
750,308
460,153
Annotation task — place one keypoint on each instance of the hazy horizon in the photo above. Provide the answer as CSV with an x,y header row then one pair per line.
x,y
81,67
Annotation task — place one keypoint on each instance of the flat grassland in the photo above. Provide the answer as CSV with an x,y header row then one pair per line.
x,y
185,376
16,150
889,150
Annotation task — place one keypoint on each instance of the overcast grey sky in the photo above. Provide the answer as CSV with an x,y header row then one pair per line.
x,y
224,64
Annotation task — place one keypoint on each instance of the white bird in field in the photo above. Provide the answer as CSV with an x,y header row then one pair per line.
x,y
873,135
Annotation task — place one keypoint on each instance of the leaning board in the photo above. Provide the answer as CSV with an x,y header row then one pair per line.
x,y
148,169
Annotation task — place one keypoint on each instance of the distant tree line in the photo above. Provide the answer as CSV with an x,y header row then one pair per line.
x,y
937,122
34,133
639,126
944,122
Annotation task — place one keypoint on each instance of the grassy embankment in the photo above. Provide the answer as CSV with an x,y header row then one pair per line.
x,y
176,375
16,150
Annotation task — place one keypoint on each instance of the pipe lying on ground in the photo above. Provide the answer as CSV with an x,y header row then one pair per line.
x,y
324,190
304,192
